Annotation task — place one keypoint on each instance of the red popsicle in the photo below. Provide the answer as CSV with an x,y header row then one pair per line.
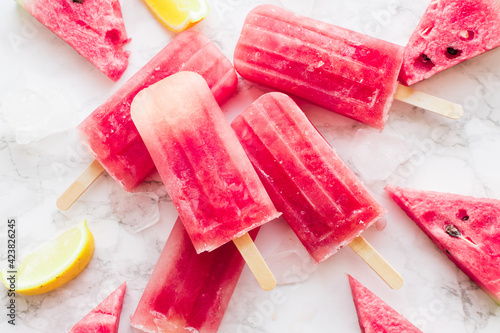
x,y
109,132
188,290
344,71
209,178
320,197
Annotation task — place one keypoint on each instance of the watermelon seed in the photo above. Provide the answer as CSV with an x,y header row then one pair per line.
x,y
78,1
452,53
425,58
452,231
465,218
424,63
466,34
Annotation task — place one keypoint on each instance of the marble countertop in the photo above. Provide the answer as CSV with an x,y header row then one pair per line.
x,y
41,157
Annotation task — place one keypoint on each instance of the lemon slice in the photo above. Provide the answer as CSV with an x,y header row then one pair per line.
x,y
54,263
178,15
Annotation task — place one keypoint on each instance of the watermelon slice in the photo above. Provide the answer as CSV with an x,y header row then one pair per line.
x,y
105,317
450,32
94,28
467,229
374,315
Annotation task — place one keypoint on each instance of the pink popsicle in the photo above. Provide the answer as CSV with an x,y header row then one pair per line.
x,y
110,134
186,289
321,199
342,70
208,176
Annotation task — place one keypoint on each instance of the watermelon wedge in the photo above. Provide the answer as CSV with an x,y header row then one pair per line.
x,y
467,229
374,315
450,32
105,317
94,28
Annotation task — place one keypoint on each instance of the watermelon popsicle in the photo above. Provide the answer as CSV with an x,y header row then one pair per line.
x,y
204,168
109,132
186,289
321,199
344,71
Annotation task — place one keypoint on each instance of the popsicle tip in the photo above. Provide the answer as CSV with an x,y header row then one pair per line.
x,y
396,282
456,112
269,284
62,203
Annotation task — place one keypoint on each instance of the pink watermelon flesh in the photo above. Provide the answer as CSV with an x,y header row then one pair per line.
x,y
94,28
105,317
374,315
467,229
450,32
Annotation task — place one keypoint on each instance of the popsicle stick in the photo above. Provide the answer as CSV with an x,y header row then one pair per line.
x,y
80,185
255,262
429,102
376,262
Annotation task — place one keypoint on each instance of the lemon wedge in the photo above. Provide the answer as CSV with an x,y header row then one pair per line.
x,y
54,263
178,15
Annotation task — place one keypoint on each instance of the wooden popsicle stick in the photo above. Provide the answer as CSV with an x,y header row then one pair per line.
x,y
80,185
255,262
429,102
376,262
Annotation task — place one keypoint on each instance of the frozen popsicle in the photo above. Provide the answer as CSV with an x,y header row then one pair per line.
x,y
319,196
110,134
342,70
188,291
204,168
451,31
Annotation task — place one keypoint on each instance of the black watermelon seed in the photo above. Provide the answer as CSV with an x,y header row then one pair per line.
x,y
452,231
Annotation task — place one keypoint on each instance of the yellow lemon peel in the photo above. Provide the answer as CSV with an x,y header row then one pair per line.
x,y
54,263
178,15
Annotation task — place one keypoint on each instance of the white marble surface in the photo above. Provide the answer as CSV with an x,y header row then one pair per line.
x,y
416,149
